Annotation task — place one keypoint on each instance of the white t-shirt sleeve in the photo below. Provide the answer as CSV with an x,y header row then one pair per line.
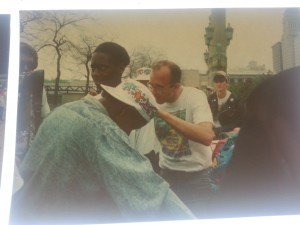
x,y
200,108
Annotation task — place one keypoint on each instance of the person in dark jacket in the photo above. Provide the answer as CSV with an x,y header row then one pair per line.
x,y
225,106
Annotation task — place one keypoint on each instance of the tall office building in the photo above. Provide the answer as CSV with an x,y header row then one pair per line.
x,y
290,43
277,57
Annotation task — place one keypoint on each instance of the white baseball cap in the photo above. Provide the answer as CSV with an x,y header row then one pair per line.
x,y
135,94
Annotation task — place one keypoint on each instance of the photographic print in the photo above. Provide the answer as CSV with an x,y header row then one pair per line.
x,y
157,114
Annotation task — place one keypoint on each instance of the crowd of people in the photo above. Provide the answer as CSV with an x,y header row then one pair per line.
x,y
143,150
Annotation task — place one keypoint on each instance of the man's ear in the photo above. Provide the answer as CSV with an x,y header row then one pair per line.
x,y
177,85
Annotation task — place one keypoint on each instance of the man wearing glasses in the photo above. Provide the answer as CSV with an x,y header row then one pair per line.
x,y
184,130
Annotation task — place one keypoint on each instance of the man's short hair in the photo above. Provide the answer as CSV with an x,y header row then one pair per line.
x,y
174,69
28,50
116,51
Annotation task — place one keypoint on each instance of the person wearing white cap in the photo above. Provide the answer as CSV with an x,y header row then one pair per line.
x,y
184,130
81,167
225,106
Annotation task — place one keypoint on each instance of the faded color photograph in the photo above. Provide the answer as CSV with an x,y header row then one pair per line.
x,y
153,115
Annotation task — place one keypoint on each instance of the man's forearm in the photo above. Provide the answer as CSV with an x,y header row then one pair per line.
x,y
201,133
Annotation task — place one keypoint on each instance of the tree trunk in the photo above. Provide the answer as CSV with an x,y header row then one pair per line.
x,y
87,79
57,79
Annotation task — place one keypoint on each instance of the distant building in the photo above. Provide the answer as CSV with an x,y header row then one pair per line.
x,y
297,49
290,43
277,57
190,78
244,77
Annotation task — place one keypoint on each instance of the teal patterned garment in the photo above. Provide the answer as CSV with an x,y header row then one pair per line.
x,y
82,168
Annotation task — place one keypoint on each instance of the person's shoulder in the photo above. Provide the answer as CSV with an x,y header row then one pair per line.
x,y
212,96
193,90
194,96
70,106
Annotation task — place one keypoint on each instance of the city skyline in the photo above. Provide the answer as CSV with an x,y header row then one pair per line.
x,y
178,35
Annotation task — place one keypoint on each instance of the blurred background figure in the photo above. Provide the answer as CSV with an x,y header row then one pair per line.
x,y
32,102
263,176
226,108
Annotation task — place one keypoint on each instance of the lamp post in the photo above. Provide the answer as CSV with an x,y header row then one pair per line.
x,y
217,38
229,33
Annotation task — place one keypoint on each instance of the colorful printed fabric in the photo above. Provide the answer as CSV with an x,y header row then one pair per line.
x,y
221,157
141,99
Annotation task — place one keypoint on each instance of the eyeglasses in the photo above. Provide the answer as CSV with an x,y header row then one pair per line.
x,y
157,88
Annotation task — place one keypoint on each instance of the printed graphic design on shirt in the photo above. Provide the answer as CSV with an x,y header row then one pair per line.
x,y
173,144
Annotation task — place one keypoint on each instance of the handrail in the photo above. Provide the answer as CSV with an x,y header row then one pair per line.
x,y
69,89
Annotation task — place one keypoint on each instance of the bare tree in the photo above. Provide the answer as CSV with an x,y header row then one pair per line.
x,y
27,18
82,53
142,58
53,30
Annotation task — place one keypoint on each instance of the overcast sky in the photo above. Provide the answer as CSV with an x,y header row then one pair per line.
x,y
179,35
